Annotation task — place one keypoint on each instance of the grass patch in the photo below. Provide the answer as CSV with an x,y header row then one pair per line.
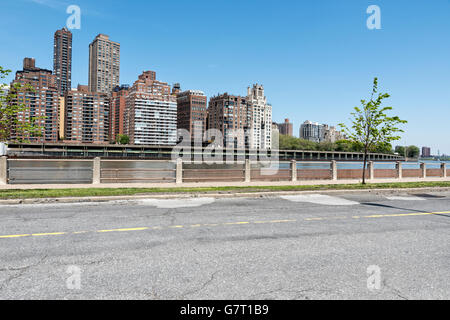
x,y
92,192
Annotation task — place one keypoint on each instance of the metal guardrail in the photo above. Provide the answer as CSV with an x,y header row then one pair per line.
x,y
128,171
63,171
49,172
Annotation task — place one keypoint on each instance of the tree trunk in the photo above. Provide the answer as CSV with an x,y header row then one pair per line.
x,y
364,167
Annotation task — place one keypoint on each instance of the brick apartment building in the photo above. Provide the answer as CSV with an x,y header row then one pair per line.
x,y
117,114
286,128
86,116
426,152
191,112
41,103
231,116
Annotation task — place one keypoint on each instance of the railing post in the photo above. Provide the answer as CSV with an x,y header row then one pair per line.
x,y
371,170
423,168
334,175
444,170
399,169
179,171
3,170
248,171
96,171
293,171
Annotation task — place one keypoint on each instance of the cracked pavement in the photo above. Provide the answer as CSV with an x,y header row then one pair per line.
x,y
236,248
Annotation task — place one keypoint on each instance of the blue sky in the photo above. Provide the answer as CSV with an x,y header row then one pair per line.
x,y
316,58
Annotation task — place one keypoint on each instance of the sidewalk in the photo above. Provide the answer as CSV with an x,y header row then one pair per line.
x,y
213,184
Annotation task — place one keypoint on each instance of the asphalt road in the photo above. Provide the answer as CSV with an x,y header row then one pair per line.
x,y
318,246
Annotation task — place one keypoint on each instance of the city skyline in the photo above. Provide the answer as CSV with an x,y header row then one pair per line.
x,y
408,100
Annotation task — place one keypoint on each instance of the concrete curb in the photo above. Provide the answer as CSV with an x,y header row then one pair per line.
x,y
225,194
213,185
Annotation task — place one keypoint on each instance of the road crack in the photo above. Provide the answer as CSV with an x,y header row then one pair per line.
x,y
21,272
204,285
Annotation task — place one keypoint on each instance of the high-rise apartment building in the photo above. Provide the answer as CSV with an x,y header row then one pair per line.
x,y
231,116
426,152
316,132
260,118
191,112
286,128
41,103
312,131
86,116
104,64
151,112
117,116
62,60
331,134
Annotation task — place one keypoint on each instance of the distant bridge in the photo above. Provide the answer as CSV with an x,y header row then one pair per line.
x,y
110,151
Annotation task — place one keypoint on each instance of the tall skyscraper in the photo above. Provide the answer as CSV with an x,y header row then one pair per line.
x,y
151,112
62,60
230,115
40,104
261,118
191,112
86,116
104,64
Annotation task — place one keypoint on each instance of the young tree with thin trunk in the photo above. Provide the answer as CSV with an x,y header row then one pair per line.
x,y
371,126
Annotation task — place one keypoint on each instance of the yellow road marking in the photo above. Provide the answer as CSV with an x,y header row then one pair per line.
x,y
235,223
227,224
282,221
123,230
48,234
401,215
15,236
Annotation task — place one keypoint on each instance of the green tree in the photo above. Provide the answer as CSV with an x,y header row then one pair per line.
x,y
385,148
326,146
371,126
307,145
10,108
344,146
288,143
122,139
400,150
412,152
